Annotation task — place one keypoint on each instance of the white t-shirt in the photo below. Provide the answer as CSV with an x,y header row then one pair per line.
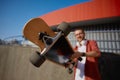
x,y
80,73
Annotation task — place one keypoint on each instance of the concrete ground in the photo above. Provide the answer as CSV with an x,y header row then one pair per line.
x,y
15,65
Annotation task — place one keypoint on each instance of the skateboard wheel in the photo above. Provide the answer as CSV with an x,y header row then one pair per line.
x,y
65,28
70,71
55,29
37,60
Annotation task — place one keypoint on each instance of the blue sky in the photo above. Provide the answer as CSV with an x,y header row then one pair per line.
x,y
15,13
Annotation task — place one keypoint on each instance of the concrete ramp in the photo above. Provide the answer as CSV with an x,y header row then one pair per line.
x,y
15,65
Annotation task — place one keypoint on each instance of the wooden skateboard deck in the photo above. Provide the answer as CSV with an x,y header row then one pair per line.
x,y
58,51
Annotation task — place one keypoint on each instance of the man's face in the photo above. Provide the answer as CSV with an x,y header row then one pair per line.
x,y
80,35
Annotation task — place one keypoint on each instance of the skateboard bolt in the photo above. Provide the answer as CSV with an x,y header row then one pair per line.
x,y
49,41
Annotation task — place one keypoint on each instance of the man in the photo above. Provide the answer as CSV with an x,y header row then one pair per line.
x,y
87,69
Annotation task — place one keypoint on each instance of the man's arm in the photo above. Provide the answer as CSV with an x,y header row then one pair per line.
x,y
93,53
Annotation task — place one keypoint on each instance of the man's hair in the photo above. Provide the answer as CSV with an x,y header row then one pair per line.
x,y
80,29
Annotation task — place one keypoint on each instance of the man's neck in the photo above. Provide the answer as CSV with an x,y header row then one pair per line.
x,y
83,42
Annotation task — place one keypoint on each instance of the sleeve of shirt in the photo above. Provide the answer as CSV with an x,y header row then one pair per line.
x,y
94,47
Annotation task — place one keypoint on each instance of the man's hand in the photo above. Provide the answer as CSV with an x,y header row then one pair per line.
x,y
76,55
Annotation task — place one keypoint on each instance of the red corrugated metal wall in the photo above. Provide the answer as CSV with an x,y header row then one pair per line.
x,y
84,11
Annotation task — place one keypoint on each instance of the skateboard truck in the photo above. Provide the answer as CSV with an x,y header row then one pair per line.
x,y
49,41
45,38
39,58
71,65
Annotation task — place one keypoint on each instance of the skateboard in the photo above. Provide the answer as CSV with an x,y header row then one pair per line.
x,y
54,46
